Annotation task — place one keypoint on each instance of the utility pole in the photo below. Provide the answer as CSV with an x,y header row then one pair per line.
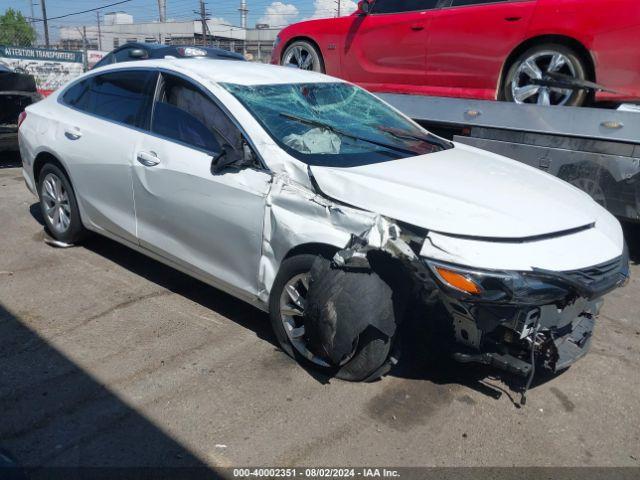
x,y
83,35
162,10
339,8
45,24
33,15
99,32
244,11
32,19
203,20
84,44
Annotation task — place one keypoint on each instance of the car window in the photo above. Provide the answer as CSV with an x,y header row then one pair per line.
x,y
176,124
188,98
397,6
463,3
122,96
107,60
77,95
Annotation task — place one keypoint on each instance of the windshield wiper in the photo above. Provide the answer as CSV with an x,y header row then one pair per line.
x,y
331,128
405,135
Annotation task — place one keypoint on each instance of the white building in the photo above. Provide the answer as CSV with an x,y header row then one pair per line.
x,y
118,28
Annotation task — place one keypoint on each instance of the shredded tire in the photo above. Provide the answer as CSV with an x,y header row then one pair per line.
x,y
350,313
351,317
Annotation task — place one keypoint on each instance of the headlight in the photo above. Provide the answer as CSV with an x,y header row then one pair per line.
x,y
497,286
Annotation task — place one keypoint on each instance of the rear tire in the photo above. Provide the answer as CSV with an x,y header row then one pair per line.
x,y
59,205
303,55
537,62
591,179
370,351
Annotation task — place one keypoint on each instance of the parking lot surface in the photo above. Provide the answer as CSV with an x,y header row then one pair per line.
x,y
110,358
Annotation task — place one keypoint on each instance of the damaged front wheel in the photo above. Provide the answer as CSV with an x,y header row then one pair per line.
x,y
368,351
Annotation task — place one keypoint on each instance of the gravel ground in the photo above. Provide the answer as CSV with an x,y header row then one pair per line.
x,y
110,358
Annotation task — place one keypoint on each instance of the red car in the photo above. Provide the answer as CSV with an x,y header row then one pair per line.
x,y
526,51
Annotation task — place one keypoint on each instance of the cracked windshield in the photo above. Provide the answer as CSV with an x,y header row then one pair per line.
x,y
334,124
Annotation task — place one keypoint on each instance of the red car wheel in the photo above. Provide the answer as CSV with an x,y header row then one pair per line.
x,y
538,63
303,55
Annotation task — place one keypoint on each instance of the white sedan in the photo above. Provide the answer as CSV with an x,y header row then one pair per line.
x,y
319,203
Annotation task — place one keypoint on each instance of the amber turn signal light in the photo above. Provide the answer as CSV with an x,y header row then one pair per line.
x,y
458,281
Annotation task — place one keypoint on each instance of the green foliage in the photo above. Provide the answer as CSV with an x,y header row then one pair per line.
x,y
15,30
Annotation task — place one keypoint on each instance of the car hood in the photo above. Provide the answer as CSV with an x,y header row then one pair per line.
x,y
462,191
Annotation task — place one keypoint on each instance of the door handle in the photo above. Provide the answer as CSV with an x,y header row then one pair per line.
x,y
148,159
513,19
417,28
73,133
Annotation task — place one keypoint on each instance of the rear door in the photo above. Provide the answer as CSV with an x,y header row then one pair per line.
x,y
469,41
209,223
388,46
97,137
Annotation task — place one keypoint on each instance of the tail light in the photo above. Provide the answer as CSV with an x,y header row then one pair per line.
x,y
21,118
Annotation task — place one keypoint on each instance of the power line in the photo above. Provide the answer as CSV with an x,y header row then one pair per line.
x,y
44,12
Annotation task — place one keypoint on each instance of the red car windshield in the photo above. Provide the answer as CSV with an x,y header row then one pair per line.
x,y
334,124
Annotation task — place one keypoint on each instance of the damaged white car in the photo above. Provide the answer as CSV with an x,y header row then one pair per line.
x,y
319,203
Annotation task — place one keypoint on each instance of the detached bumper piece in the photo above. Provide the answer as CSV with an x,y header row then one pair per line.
x,y
573,346
522,337
555,348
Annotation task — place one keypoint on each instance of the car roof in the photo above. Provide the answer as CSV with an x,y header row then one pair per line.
x,y
160,50
229,71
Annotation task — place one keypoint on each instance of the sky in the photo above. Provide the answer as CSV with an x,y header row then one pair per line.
x,y
274,13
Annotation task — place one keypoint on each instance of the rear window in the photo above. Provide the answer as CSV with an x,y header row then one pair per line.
x,y
122,96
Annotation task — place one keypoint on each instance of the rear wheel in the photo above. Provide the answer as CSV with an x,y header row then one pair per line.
x,y
592,179
287,309
541,63
59,205
303,55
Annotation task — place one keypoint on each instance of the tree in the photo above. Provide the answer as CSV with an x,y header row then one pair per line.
x,y
15,30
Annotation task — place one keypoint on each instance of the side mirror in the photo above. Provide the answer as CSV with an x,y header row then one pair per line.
x,y
230,157
221,160
364,7
138,53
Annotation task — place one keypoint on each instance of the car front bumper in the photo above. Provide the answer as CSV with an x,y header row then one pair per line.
x,y
563,336
555,334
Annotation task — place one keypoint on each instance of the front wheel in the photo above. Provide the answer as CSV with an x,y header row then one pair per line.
x,y
303,55
287,310
539,64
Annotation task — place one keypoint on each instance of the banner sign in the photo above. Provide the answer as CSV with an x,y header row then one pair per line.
x,y
28,53
94,56
50,68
